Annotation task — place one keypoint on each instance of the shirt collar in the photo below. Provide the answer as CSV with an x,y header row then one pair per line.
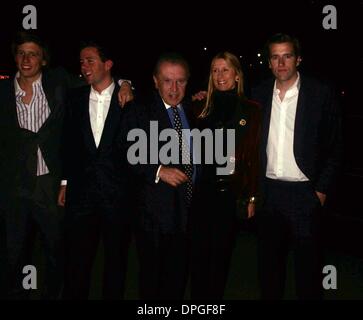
x,y
18,89
106,92
293,89
168,106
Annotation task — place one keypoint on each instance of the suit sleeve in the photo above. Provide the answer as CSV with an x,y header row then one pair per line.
x,y
66,149
255,162
332,143
134,118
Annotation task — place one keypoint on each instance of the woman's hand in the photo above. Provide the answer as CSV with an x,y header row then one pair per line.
x,y
199,96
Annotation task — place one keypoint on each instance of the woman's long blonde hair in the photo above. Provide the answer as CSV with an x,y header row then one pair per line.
x,y
233,61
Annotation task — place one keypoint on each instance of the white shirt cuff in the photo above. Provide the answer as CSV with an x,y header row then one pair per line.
x,y
157,178
63,182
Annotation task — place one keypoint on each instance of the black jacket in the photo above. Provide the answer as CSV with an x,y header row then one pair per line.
x,y
162,208
317,136
18,147
94,175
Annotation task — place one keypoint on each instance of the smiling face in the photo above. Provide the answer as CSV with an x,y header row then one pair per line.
x,y
29,60
171,81
283,62
224,76
96,72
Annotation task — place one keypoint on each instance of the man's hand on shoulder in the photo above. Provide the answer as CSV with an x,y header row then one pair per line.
x,y
125,93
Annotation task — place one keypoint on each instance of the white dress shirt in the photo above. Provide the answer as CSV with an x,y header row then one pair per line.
x,y
99,104
281,163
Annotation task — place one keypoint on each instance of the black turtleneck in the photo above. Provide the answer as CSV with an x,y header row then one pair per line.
x,y
223,108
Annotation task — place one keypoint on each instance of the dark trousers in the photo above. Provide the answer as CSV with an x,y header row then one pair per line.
x,y
163,260
213,225
290,219
2,256
24,218
84,229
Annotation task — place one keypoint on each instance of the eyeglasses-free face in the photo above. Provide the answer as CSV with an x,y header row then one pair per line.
x,y
29,60
224,76
171,82
283,62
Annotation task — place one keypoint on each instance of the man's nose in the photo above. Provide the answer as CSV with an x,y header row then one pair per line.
x,y
281,61
26,57
84,66
174,86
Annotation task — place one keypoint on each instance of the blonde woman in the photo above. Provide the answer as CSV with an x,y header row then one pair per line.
x,y
214,215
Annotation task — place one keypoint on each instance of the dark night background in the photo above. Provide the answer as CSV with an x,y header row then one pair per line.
x,y
138,31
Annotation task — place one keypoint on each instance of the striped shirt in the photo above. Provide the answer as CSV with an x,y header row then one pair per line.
x,y
32,116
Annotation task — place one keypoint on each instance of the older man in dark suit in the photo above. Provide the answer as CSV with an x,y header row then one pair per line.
x,y
165,189
301,151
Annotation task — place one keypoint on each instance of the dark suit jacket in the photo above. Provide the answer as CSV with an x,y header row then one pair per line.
x,y
95,176
18,147
317,136
162,207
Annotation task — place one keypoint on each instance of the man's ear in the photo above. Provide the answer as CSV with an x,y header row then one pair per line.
x,y
108,64
156,82
44,63
298,61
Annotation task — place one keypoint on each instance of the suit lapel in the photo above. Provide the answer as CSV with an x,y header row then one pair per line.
x,y
48,88
112,119
300,117
85,121
267,105
160,114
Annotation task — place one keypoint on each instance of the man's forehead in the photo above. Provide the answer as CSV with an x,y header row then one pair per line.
x,y
284,46
90,52
89,56
167,68
29,46
171,65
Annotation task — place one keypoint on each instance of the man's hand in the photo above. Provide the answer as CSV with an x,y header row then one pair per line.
x,y
172,176
62,196
125,94
199,96
321,196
